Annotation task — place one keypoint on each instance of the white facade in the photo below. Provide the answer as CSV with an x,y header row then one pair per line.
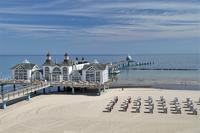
x,y
62,71
24,71
68,70
94,74
57,73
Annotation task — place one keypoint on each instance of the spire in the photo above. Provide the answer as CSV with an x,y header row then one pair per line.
x,y
48,56
66,56
48,61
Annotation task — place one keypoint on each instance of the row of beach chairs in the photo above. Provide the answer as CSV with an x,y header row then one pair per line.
x,y
137,105
175,105
124,106
149,105
111,104
190,106
162,107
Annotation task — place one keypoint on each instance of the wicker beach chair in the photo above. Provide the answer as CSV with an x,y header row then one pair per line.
x,y
174,101
194,111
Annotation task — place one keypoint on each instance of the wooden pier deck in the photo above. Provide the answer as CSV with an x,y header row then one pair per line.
x,y
127,64
39,85
22,92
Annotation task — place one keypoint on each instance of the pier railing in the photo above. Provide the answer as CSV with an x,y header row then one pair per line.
x,y
11,81
38,85
78,84
22,92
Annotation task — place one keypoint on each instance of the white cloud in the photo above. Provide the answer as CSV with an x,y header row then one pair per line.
x,y
183,21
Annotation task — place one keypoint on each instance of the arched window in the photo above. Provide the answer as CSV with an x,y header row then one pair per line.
x,y
90,75
47,73
76,76
20,73
65,73
56,74
56,70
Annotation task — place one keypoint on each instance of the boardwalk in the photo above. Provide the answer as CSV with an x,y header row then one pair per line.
x,y
39,85
22,92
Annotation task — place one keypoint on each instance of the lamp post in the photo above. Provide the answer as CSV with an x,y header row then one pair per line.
x,y
31,79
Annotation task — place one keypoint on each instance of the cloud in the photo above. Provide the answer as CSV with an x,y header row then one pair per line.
x,y
103,19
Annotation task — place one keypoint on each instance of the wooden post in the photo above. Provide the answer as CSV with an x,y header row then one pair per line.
x,y
14,87
99,92
28,97
44,91
58,88
2,89
4,105
73,91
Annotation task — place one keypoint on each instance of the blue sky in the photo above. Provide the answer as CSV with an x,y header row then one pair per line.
x,y
99,26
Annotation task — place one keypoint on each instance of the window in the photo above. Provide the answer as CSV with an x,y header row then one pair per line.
x,y
20,73
47,73
76,78
56,74
90,75
65,73
98,76
37,75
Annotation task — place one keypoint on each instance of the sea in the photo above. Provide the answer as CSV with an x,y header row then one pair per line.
x,y
167,71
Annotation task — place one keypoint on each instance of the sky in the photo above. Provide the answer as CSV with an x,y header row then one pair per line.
x,y
99,26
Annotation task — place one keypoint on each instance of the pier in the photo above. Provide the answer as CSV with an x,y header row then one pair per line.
x,y
127,64
32,87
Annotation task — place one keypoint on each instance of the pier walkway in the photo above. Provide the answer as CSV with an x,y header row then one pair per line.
x,y
22,92
32,87
129,63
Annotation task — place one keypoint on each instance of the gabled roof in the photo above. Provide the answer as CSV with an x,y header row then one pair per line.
x,y
48,63
97,66
28,66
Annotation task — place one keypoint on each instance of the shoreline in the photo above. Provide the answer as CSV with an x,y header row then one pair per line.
x,y
159,86
79,113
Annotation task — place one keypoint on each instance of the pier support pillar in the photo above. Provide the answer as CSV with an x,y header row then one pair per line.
x,y
44,91
1,88
58,88
73,91
104,88
14,87
4,105
99,92
29,97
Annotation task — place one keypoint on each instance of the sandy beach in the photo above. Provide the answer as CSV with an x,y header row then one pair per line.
x,y
62,113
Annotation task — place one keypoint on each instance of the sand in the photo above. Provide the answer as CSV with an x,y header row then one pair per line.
x,y
83,114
